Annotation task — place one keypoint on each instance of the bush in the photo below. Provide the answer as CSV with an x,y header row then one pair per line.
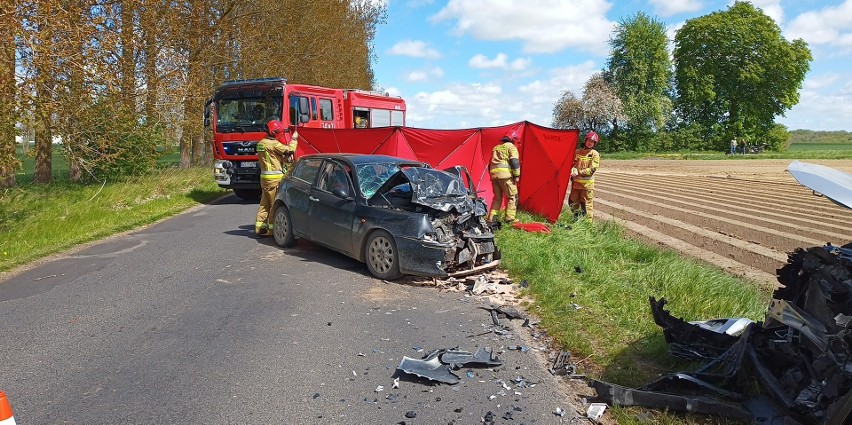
x,y
112,144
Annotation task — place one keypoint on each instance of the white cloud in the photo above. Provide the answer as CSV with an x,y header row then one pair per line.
x,y
548,27
424,76
415,76
668,7
831,26
772,9
489,104
822,106
415,49
499,62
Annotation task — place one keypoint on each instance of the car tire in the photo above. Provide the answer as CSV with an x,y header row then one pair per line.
x,y
282,230
381,256
248,194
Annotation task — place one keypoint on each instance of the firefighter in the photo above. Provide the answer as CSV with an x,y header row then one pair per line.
x,y
272,155
586,162
505,170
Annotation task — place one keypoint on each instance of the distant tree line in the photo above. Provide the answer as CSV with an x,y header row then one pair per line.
x,y
113,79
730,75
810,136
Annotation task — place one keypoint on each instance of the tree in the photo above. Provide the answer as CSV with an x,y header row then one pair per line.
x,y
735,73
640,70
8,159
600,108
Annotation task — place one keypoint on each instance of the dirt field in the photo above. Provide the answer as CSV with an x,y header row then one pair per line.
x,y
740,215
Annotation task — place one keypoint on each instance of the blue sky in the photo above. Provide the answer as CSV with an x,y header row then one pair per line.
x,y
482,63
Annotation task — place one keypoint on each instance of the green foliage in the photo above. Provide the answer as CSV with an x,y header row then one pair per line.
x,y
112,144
640,69
735,72
821,137
777,138
686,138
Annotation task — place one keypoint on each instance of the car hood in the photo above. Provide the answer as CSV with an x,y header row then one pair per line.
x,y
432,188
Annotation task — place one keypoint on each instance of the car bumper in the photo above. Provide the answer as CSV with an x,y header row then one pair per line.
x,y
431,259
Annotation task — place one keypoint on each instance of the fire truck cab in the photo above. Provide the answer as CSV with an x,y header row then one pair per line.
x,y
238,111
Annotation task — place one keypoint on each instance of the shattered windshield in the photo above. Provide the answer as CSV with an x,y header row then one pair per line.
x,y
372,176
433,184
246,113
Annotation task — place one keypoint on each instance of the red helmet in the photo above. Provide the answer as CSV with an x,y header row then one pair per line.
x,y
273,127
593,136
511,136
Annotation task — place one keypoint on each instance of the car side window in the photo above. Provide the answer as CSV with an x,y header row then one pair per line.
x,y
307,170
334,177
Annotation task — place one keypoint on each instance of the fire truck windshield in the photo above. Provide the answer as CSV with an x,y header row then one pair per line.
x,y
246,113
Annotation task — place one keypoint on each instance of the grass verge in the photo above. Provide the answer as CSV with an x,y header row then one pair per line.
x,y
38,220
802,152
589,285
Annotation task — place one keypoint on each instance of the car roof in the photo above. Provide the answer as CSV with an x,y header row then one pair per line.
x,y
359,159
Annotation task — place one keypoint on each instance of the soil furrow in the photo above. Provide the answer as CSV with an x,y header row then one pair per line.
x,y
746,252
755,219
697,198
767,194
806,203
751,231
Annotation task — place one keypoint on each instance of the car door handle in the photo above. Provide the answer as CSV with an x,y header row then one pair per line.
x,y
313,199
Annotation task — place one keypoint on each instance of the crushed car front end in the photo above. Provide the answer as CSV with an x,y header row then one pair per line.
x,y
447,234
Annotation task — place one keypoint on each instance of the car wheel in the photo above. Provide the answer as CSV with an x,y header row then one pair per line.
x,y
248,194
381,256
282,229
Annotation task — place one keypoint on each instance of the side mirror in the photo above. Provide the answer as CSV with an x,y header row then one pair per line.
x,y
342,194
304,110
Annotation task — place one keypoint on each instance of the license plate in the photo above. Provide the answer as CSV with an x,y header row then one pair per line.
x,y
249,164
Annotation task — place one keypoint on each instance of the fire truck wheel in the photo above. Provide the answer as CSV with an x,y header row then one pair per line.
x,y
282,230
248,194
381,256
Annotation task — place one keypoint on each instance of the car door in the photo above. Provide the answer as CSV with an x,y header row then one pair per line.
x,y
331,216
298,191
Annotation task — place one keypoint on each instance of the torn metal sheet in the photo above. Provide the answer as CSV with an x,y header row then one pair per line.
x,y
458,358
438,364
429,368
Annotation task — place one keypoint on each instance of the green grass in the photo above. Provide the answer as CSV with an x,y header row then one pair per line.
x,y
612,331
38,220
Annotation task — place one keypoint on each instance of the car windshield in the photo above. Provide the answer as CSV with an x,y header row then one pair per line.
x,y
246,114
430,184
372,176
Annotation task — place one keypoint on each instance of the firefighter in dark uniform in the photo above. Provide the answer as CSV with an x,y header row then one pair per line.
x,y
271,155
505,170
586,162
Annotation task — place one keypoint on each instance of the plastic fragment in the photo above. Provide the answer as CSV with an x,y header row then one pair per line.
x,y
596,411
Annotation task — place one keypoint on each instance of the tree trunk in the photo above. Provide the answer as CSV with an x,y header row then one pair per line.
x,y
152,80
45,69
192,108
127,60
8,158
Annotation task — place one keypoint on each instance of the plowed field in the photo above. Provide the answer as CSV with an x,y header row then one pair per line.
x,y
743,216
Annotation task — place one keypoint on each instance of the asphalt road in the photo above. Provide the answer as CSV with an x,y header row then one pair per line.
x,y
194,321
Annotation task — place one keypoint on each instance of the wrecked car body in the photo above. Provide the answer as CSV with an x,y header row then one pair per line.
x,y
800,354
398,216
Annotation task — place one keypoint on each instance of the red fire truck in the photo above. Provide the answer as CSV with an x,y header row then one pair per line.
x,y
238,112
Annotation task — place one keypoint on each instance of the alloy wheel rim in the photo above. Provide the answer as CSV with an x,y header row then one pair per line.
x,y
381,254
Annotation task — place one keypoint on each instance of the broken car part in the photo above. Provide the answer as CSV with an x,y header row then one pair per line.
x,y
438,364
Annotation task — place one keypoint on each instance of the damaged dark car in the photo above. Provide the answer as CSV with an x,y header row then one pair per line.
x,y
398,216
